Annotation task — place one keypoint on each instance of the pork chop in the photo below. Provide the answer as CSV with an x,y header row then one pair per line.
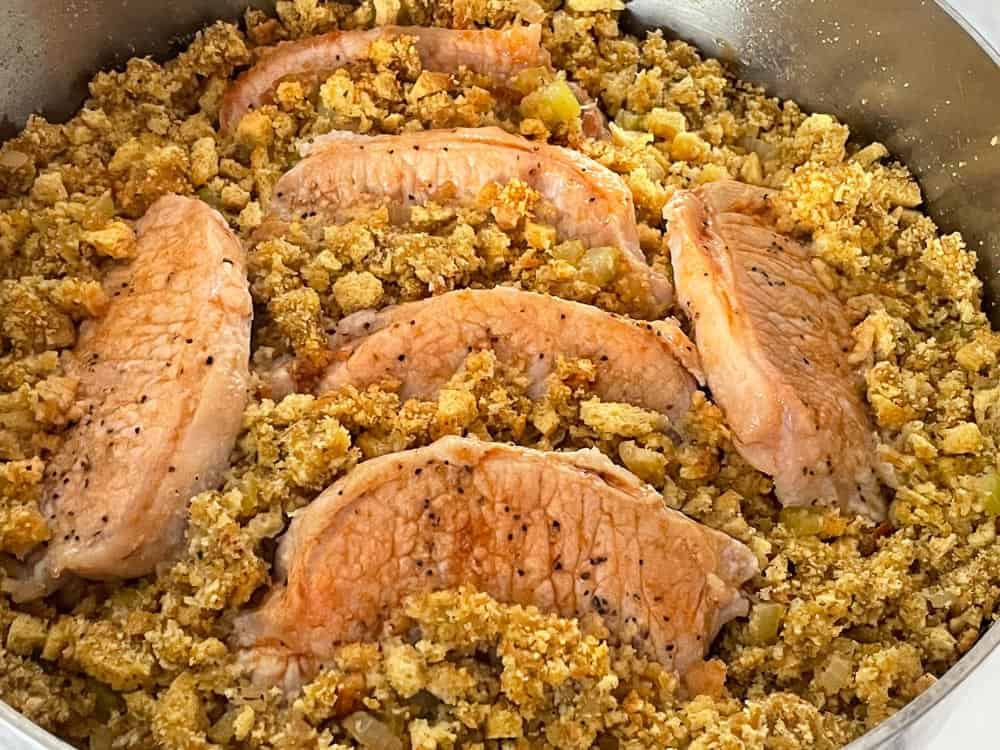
x,y
163,384
500,54
773,343
422,344
570,533
592,203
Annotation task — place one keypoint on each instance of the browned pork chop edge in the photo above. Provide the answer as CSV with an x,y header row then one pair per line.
x,y
421,345
570,533
163,383
497,53
592,203
773,343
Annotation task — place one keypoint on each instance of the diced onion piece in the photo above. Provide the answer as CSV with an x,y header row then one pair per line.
x,y
371,732
802,521
991,494
554,104
530,11
870,154
648,465
13,159
836,675
765,622
571,251
598,265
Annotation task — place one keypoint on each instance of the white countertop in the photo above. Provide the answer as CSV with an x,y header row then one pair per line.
x,y
984,15
972,722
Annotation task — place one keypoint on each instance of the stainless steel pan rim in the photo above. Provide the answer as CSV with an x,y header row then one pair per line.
x,y
887,734
16,732
971,30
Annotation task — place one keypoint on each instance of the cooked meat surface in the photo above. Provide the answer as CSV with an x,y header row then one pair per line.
x,y
773,343
163,383
592,203
498,53
568,532
422,344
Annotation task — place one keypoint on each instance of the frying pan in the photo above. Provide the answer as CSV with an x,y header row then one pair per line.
x,y
912,74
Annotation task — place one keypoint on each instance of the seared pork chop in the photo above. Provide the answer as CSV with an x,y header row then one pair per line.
x,y
500,54
570,533
422,344
163,384
592,203
773,343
